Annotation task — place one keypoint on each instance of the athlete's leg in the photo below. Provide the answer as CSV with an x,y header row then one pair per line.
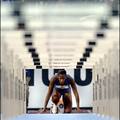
x,y
67,99
55,97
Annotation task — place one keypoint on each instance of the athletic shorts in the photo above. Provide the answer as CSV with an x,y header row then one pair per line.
x,y
63,91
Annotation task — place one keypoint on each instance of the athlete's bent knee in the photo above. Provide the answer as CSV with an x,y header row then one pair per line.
x,y
55,99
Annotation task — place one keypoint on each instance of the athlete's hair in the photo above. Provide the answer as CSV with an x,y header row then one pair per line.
x,y
62,71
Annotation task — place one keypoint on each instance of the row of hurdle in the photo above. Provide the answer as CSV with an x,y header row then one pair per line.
x,y
106,84
13,84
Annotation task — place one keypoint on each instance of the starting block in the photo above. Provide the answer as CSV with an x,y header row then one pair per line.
x,y
57,109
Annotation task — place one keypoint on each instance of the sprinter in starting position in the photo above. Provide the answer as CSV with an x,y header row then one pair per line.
x,y
60,85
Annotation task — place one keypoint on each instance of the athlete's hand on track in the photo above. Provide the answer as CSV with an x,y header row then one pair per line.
x,y
43,111
78,110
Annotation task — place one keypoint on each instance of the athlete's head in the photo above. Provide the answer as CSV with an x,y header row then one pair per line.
x,y
61,76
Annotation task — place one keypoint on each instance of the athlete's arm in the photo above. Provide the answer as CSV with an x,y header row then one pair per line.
x,y
74,88
50,90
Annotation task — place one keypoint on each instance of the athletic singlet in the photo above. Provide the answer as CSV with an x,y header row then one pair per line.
x,y
62,89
